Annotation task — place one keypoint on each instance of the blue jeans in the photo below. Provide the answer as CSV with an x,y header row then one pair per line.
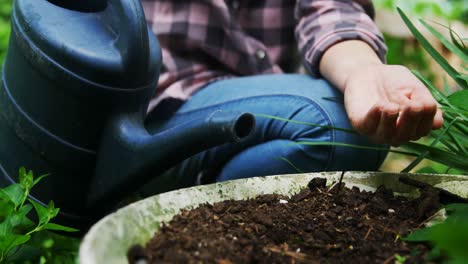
x,y
271,149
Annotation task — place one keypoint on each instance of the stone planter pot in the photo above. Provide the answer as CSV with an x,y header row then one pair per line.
x,y
109,239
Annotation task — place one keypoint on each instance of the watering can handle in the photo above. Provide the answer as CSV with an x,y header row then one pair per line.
x,y
133,36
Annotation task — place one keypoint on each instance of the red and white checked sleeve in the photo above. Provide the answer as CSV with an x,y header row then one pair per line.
x,y
323,23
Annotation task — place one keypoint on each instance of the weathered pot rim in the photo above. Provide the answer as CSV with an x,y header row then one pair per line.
x,y
108,240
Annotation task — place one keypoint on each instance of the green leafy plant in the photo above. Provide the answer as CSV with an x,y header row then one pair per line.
x,y
21,238
450,144
400,259
449,238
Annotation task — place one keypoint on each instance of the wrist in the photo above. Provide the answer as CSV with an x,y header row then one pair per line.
x,y
366,68
344,59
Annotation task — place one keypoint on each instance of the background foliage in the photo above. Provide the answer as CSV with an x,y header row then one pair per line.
x,y
48,247
447,9
5,10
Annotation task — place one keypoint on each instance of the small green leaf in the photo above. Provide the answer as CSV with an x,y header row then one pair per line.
x,y
10,241
48,243
448,237
6,207
16,222
50,205
420,235
36,181
52,210
26,178
41,211
5,225
399,258
457,209
459,99
15,193
19,216
52,226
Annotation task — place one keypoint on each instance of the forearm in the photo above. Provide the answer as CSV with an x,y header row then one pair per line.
x,y
343,58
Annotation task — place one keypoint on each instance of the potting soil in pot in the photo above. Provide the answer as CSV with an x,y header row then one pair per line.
x,y
317,225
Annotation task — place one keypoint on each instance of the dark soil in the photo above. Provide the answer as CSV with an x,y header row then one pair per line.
x,y
318,225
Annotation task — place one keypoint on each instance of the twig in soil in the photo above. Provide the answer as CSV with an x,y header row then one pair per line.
x,y
396,238
300,257
389,259
445,196
331,187
339,183
368,232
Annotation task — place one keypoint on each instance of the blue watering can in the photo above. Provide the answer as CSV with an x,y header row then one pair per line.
x,y
74,92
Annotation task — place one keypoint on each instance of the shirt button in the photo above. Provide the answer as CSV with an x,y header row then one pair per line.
x,y
260,54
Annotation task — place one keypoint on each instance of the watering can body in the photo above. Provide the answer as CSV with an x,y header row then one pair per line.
x,y
74,92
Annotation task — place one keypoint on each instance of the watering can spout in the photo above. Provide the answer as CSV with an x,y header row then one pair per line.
x,y
129,156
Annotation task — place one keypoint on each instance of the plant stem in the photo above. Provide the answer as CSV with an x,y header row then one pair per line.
x,y
339,183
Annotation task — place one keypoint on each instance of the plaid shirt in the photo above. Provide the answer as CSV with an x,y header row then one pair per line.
x,y
207,40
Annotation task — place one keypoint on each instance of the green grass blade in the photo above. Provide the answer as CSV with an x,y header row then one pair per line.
x,y
439,155
434,54
455,37
339,144
447,109
440,97
423,155
454,48
463,76
446,142
291,164
458,42
455,140
305,123
450,146
446,86
462,127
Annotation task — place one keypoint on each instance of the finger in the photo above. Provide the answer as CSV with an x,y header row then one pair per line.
x,y
387,125
429,115
403,128
427,120
412,121
438,119
368,125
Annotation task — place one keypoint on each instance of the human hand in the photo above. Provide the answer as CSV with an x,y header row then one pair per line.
x,y
389,104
